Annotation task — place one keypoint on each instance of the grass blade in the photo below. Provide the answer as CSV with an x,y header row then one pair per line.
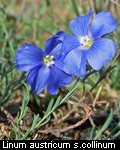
x,y
105,126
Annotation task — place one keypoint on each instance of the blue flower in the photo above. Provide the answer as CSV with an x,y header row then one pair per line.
x,y
44,68
88,45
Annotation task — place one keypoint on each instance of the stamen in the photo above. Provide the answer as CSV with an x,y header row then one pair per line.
x,y
48,60
86,42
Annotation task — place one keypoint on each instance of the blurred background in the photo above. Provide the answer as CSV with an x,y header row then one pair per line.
x,y
28,21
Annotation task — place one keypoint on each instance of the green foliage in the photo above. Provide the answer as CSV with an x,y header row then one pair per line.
x,y
105,126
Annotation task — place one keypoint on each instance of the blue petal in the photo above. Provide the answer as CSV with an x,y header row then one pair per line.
x,y
56,52
79,25
75,63
28,56
59,63
57,79
102,24
38,78
100,53
60,35
70,42
52,42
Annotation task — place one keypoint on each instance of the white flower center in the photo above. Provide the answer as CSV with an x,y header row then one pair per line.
x,y
48,60
86,42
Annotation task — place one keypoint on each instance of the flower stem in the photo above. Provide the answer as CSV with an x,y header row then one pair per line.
x,y
75,7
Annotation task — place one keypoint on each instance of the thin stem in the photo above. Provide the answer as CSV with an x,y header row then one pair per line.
x,y
75,7
9,70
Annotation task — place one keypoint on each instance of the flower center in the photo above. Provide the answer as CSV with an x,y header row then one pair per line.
x,y
48,60
86,42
